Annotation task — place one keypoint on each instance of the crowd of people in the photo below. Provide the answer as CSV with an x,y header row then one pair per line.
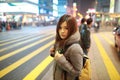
x,y
5,25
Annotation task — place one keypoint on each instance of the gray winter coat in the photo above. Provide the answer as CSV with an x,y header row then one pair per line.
x,y
69,66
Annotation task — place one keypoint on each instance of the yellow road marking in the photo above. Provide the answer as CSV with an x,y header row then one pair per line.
x,y
16,40
16,64
114,75
23,48
40,68
109,41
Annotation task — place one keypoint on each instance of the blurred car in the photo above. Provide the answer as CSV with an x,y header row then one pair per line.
x,y
116,33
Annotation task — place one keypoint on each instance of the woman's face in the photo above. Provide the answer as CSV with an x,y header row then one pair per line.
x,y
63,30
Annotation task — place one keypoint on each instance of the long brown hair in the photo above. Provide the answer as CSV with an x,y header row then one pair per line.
x,y
72,27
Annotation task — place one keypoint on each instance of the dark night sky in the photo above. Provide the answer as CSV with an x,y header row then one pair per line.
x,y
85,5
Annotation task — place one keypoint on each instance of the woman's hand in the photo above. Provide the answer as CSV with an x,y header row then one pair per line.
x,y
58,55
88,49
52,51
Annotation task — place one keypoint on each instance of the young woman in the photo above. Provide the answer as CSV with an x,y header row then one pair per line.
x,y
68,63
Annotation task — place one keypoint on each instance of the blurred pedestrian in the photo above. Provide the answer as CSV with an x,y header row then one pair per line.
x,y
85,36
1,26
68,64
81,27
83,23
96,26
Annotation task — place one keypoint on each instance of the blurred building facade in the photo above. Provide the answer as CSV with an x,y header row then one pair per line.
x,y
31,11
98,5
111,6
102,5
46,10
62,5
109,12
117,6
104,11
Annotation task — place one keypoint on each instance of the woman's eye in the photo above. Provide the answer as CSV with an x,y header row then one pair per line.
x,y
66,28
59,27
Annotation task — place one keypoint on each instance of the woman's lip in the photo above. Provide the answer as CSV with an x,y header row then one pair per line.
x,y
62,35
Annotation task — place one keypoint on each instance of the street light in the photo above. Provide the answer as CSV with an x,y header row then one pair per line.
x,y
74,9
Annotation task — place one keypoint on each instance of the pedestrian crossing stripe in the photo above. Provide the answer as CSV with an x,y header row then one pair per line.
x,y
6,40
39,69
12,41
23,36
16,64
20,43
114,75
23,48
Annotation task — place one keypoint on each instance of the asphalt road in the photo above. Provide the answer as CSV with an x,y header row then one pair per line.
x,y
24,54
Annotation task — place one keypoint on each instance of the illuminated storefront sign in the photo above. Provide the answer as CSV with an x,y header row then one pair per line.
x,y
19,7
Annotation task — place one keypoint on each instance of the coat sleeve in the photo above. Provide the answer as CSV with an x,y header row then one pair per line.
x,y
74,65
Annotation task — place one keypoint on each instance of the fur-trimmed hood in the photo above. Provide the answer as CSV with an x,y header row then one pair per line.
x,y
73,38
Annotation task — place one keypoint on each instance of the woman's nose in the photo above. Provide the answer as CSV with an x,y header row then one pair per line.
x,y
62,30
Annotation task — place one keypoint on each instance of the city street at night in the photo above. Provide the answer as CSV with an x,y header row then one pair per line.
x,y
36,38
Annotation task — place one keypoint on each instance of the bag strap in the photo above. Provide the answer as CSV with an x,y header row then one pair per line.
x,y
85,57
62,51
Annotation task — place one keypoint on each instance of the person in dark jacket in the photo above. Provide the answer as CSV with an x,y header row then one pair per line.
x,y
67,64
85,36
83,23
